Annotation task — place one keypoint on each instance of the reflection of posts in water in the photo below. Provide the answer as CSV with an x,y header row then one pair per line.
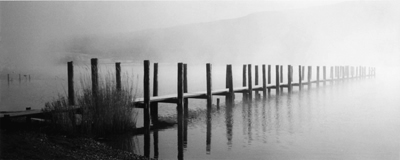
x,y
209,104
146,110
249,117
155,142
229,123
277,86
180,110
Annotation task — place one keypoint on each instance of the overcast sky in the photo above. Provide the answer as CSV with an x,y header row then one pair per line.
x,y
27,28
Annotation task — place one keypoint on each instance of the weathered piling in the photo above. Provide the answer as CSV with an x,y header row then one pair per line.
x,y
277,82
281,74
71,92
146,110
180,108
154,105
269,77
324,74
244,75
28,118
331,73
209,103
185,90
231,95
209,86
290,78
303,70
217,103
250,87
118,75
300,78
317,76
264,81
95,79
256,79
244,80
309,77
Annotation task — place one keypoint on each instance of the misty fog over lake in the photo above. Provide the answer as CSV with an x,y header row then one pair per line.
x,y
353,119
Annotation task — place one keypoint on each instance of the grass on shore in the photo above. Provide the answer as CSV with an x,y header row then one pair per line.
x,y
112,111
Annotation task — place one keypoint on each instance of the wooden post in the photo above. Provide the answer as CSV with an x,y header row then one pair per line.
x,y
281,70
71,92
309,77
209,103
331,75
154,105
300,78
118,75
264,80
230,83
209,86
289,78
269,77
95,80
317,76
277,79
324,75
146,110
217,103
185,105
28,118
256,79
250,87
180,108
244,75
303,70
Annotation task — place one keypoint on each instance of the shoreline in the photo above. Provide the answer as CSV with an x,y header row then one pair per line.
x,y
32,141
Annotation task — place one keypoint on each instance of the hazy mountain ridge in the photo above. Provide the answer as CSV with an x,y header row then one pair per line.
x,y
293,36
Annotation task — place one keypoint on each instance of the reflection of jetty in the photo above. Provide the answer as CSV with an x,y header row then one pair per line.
x,y
149,103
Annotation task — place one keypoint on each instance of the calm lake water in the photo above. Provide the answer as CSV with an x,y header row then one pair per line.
x,y
355,119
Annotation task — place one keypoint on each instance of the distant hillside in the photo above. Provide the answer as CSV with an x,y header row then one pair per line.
x,y
329,34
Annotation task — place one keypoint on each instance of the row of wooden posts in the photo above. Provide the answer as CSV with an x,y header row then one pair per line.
x,y
150,104
336,73
10,79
